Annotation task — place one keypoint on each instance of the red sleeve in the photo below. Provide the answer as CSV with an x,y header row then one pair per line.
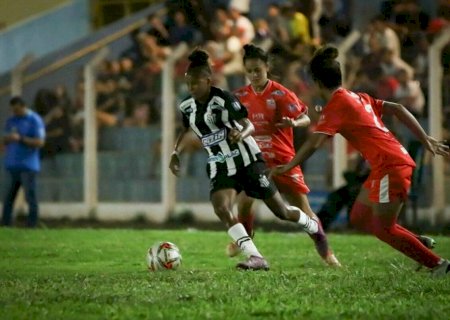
x,y
291,106
377,105
331,120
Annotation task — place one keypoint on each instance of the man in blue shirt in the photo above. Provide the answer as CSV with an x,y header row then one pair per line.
x,y
24,135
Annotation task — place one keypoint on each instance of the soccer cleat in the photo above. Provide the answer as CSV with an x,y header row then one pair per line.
x,y
441,270
232,250
253,263
428,242
321,242
332,261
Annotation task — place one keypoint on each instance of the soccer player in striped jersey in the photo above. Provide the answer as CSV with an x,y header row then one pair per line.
x,y
274,111
235,162
357,117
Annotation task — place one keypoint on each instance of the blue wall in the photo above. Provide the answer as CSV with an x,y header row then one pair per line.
x,y
45,33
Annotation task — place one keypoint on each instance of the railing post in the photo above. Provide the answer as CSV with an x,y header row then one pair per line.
x,y
90,181
435,123
168,181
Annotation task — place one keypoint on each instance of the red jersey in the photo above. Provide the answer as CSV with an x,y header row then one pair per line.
x,y
357,117
267,108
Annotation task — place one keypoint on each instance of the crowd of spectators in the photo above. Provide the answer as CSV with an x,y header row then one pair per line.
x,y
389,61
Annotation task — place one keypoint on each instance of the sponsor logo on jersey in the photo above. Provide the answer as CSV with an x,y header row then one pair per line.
x,y
271,104
263,181
214,138
258,116
278,93
221,157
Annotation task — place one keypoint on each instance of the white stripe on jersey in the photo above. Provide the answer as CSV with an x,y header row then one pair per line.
x,y
223,145
384,189
192,116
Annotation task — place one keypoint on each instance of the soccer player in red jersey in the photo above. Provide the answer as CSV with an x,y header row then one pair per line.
x,y
357,117
274,111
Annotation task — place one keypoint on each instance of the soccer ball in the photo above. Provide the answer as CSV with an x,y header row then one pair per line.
x,y
163,256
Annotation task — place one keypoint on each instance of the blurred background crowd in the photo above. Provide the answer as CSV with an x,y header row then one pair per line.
x,y
389,61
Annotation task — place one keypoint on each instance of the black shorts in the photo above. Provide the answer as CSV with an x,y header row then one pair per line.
x,y
252,179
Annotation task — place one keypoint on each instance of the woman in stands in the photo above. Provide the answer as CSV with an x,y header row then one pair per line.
x,y
357,117
235,162
274,111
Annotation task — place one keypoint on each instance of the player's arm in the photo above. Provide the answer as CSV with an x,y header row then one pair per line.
x,y
311,145
432,145
302,121
236,135
175,159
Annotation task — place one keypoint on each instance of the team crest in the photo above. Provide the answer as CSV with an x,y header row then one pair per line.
x,y
271,104
210,118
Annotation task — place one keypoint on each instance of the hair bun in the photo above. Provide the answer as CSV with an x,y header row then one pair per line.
x,y
199,57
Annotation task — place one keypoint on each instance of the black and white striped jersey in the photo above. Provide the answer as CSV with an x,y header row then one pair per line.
x,y
211,122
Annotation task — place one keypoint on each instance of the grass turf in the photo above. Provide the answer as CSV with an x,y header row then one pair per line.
x,y
101,274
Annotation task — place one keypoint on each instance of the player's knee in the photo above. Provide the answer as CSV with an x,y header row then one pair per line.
x,y
222,210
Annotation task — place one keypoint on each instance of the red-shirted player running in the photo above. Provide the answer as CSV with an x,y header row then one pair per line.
x,y
357,117
274,111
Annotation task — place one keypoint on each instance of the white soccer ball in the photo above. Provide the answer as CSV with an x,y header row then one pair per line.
x,y
163,256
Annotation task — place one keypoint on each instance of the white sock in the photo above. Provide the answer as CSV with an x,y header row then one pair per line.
x,y
243,240
309,225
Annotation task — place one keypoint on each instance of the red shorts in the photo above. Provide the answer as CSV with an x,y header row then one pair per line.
x,y
292,182
389,184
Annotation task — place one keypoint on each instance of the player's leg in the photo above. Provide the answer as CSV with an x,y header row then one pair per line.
x,y
11,189
28,180
223,201
361,215
386,192
320,239
385,228
246,217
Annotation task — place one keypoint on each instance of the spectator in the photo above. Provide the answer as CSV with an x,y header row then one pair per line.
x,y
334,26
297,23
392,64
57,127
181,31
385,35
242,27
24,135
409,93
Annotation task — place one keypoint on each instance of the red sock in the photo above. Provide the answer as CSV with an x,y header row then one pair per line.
x,y
247,221
406,230
386,229
389,231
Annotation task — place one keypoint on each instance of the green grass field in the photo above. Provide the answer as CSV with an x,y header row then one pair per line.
x,y
101,274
